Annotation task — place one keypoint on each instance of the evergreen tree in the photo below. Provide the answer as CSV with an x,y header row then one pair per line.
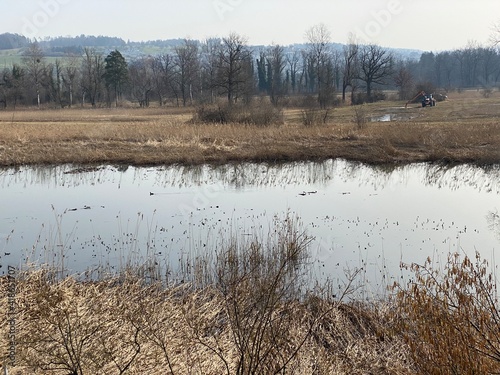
x,y
115,72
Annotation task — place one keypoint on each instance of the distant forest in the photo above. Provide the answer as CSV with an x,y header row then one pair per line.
x,y
52,46
108,71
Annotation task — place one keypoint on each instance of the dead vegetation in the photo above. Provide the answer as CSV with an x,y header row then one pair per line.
x,y
462,129
122,325
247,308
449,316
246,312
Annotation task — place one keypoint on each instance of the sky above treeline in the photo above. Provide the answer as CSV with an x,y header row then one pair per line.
x,y
432,25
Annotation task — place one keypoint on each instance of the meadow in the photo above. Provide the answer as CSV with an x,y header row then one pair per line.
x,y
463,129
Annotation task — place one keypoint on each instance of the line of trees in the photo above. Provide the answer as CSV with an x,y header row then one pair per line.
x,y
228,68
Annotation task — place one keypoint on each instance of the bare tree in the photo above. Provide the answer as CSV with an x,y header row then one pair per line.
x,y
495,35
350,65
11,84
292,61
53,82
34,62
276,65
162,69
319,39
403,79
488,65
233,66
69,77
446,68
92,73
468,60
141,80
210,55
188,65
376,65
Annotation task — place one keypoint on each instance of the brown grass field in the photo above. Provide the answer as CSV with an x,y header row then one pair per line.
x,y
465,128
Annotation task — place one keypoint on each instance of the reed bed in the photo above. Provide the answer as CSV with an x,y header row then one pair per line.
x,y
245,309
121,325
249,308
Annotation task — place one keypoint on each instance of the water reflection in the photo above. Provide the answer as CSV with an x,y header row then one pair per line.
x,y
260,175
362,216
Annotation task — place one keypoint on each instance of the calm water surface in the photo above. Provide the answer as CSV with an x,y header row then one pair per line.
x,y
360,216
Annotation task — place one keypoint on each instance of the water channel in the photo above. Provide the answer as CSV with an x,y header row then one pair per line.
x,y
360,216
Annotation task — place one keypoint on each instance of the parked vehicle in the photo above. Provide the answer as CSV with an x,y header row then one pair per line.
x,y
427,99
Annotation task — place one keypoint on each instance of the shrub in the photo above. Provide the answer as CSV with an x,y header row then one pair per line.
x,y
359,98
312,114
260,113
486,92
377,96
263,113
212,114
359,117
450,318
362,97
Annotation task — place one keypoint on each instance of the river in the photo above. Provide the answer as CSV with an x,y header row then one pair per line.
x,y
361,217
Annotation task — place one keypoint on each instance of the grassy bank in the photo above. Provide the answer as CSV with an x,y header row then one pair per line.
x,y
463,129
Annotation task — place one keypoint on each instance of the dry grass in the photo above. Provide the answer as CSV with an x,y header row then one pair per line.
x,y
449,315
444,321
71,327
246,313
463,129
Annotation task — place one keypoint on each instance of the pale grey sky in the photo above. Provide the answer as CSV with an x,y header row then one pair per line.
x,y
420,24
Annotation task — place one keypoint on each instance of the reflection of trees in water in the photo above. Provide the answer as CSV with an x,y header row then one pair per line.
x,y
247,174
493,220
482,179
440,176
54,176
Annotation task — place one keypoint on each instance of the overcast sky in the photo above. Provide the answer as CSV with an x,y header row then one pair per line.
x,y
428,25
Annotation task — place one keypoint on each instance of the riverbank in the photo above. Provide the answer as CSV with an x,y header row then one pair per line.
x,y
463,129
235,316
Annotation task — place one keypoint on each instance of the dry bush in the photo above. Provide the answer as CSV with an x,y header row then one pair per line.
x,y
78,328
427,87
315,116
450,317
259,113
360,117
353,339
312,114
486,92
363,98
256,282
265,114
